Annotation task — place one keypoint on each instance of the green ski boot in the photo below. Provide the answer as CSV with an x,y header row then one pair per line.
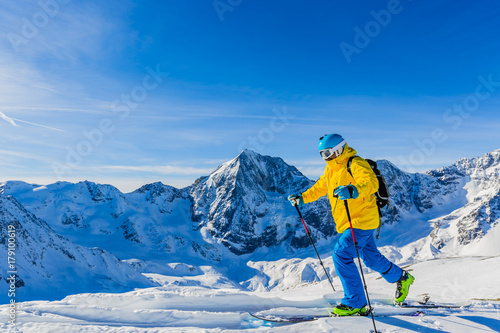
x,y
345,310
403,287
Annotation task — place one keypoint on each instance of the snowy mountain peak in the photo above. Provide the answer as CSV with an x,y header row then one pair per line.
x,y
487,163
158,189
251,168
249,153
243,203
155,187
247,158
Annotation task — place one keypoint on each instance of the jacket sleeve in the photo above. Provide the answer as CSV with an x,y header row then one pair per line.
x,y
318,190
364,176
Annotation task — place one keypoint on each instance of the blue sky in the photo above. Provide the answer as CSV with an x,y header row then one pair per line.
x,y
131,92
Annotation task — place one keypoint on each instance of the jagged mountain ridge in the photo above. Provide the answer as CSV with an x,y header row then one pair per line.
x,y
151,221
242,205
481,212
418,192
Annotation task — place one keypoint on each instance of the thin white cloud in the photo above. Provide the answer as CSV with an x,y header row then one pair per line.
x,y
314,163
312,173
39,125
160,169
8,119
37,109
24,155
12,121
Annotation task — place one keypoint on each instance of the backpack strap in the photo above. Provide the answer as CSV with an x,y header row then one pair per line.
x,y
349,162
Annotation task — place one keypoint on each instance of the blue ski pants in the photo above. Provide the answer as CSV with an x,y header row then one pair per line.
x,y
344,254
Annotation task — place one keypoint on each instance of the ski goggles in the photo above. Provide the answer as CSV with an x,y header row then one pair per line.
x,y
330,153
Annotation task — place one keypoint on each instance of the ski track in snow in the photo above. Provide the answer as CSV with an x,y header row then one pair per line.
x,y
200,303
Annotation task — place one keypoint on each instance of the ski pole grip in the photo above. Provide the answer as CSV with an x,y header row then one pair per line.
x,y
298,211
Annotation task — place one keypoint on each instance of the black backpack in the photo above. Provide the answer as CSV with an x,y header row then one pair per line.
x,y
382,195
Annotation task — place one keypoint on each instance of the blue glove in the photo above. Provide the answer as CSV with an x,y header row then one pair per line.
x,y
346,192
296,199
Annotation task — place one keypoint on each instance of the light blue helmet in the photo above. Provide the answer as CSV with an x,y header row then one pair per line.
x,y
334,141
331,146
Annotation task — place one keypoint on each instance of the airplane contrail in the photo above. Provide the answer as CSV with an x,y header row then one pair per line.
x,y
8,119
12,121
39,125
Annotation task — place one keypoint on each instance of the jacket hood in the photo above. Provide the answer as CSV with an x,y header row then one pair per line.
x,y
342,159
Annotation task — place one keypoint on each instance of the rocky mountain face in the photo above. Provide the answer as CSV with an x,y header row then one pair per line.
x,y
418,193
460,202
42,260
481,209
243,204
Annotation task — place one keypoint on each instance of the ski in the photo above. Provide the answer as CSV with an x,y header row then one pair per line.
x,y
425,304
297,318
279,315
433,306
287,318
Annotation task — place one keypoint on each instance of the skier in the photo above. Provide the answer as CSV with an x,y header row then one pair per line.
x,y
338,184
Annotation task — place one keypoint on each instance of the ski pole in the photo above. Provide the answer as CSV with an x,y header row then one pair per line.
x,y
310,238
359,260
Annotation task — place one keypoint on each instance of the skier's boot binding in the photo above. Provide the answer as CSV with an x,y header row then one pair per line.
x,y
345,310
403,287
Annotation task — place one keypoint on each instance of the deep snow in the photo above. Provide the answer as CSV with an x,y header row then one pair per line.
x,y
204,301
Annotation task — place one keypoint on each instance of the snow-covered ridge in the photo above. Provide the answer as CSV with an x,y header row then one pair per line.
x,y
47,264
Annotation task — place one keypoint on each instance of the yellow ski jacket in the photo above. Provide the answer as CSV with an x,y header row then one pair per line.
x,y
363,209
